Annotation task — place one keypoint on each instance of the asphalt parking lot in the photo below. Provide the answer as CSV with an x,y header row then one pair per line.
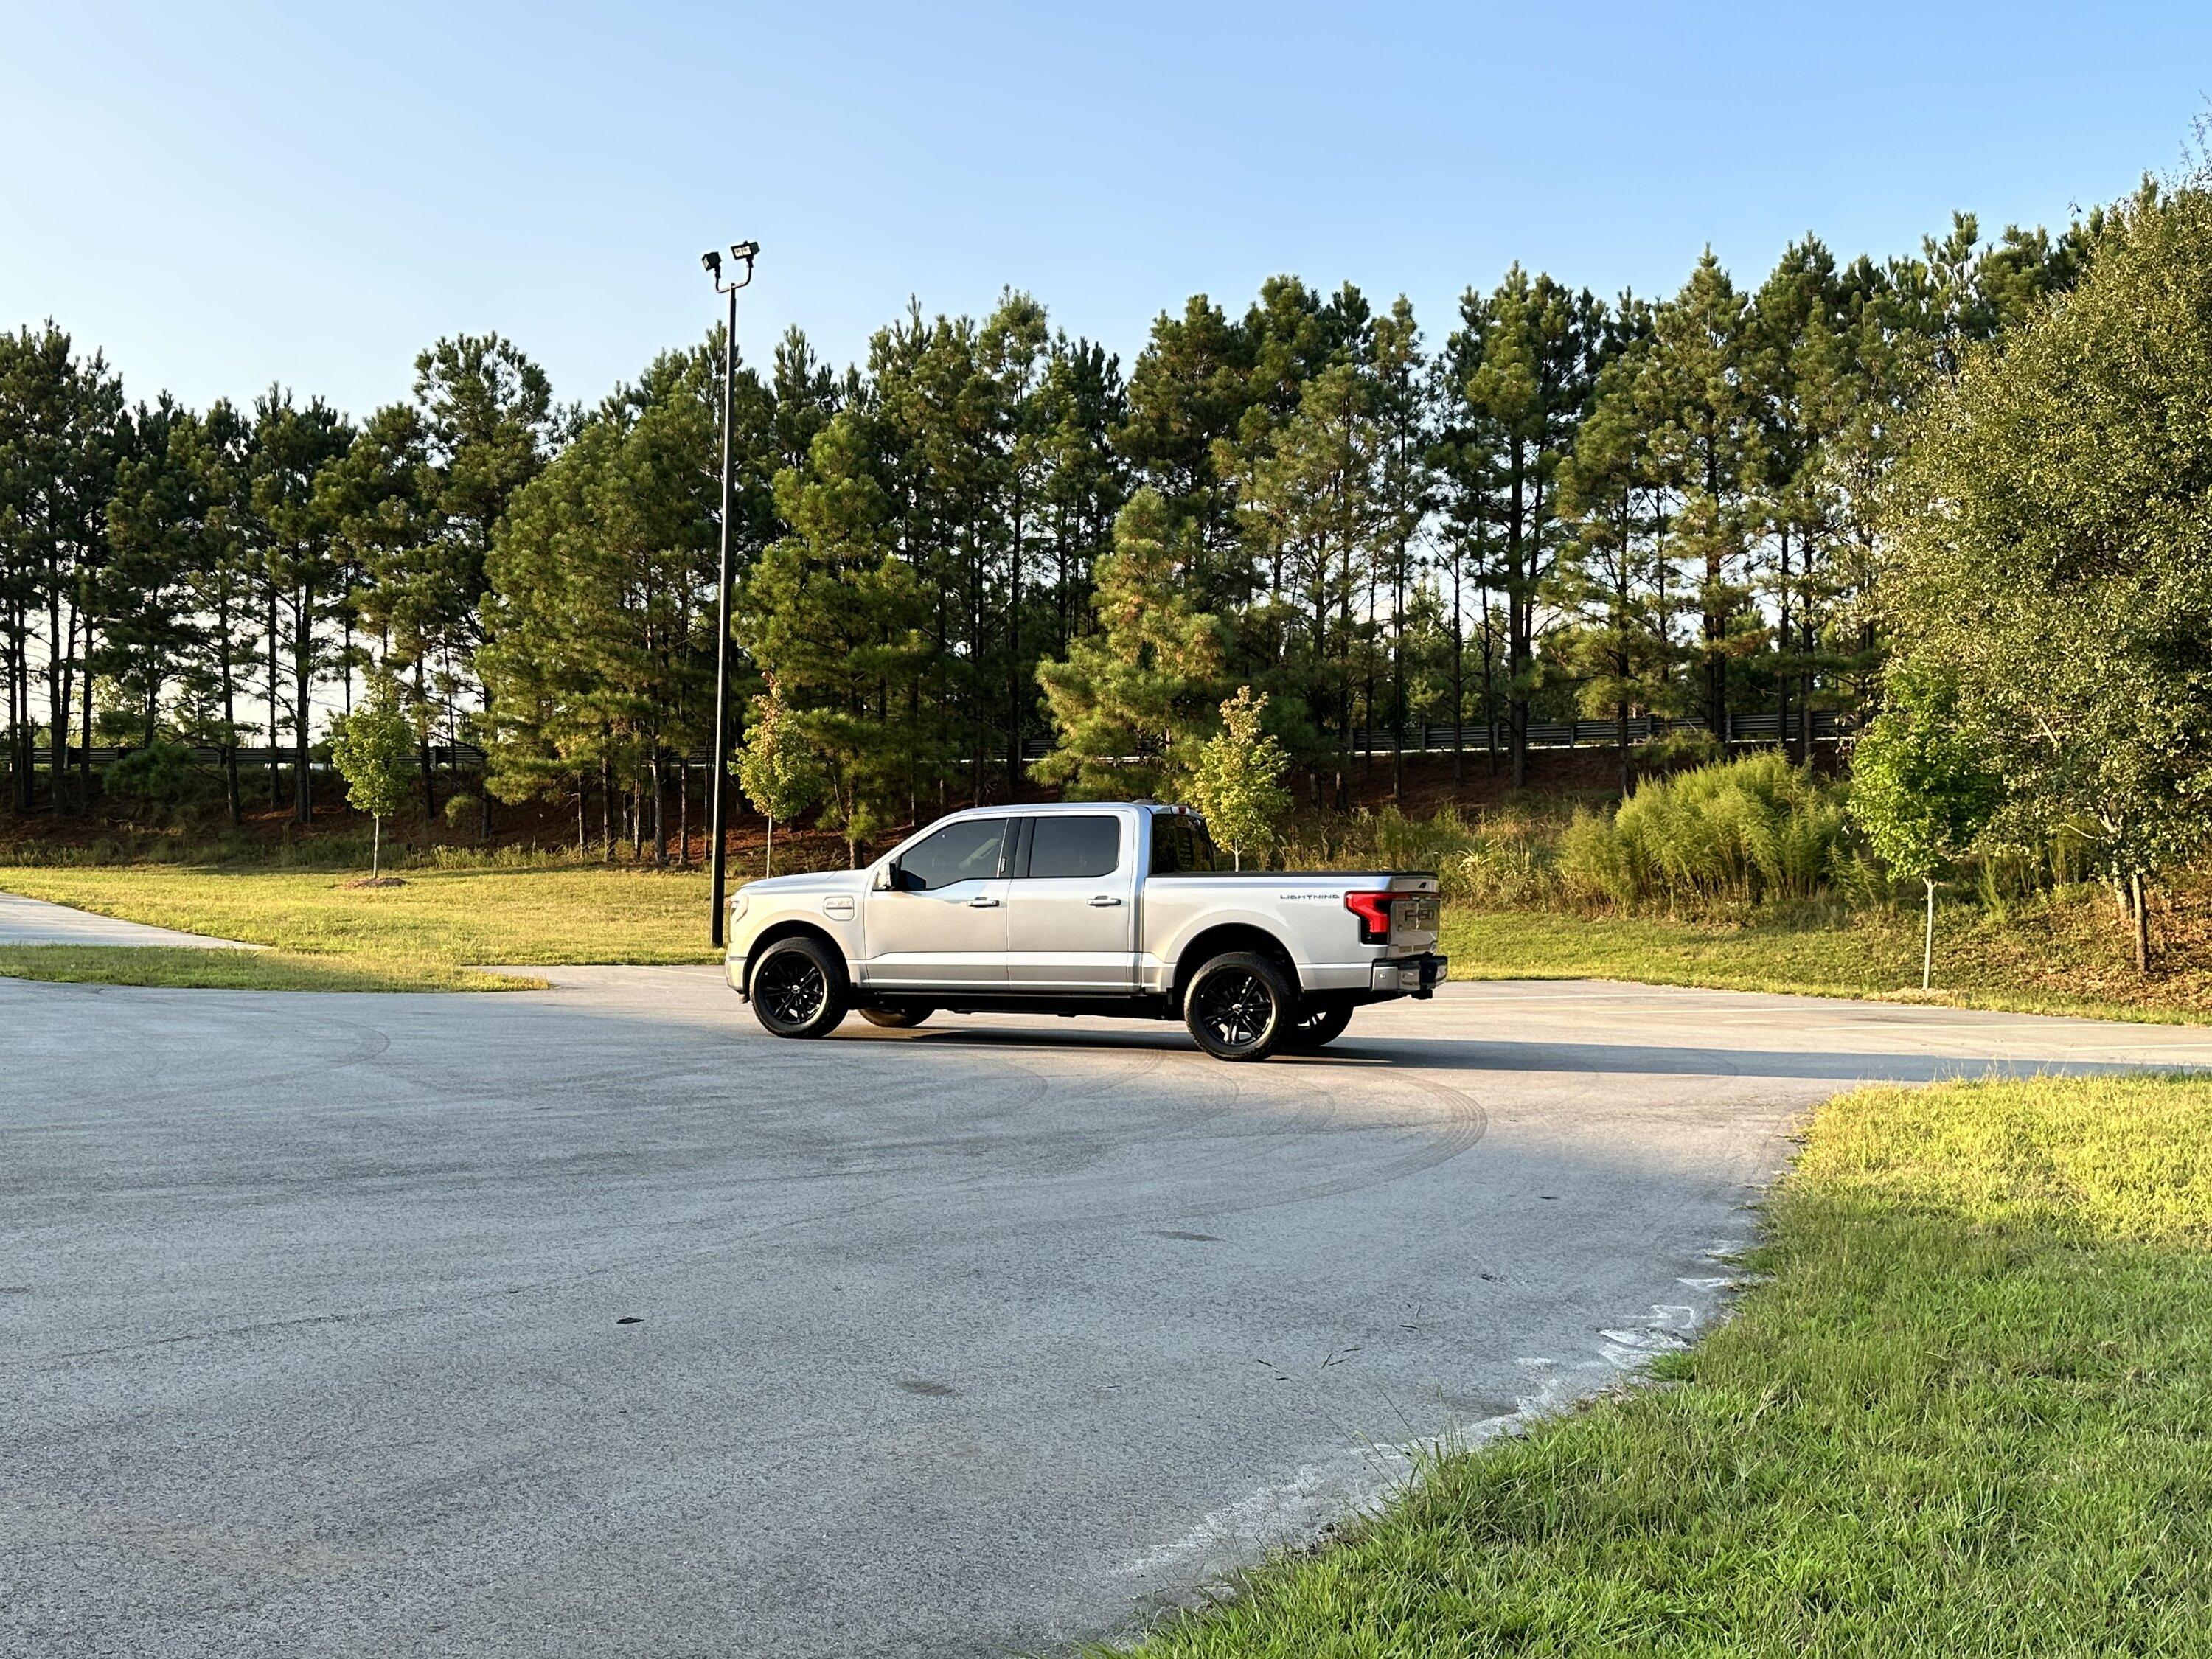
x,y
594,1321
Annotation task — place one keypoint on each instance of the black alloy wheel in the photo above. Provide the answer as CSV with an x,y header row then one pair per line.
x,y
1238,1006
798,988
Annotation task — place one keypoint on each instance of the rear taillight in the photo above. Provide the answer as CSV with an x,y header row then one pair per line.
x,y
1373,910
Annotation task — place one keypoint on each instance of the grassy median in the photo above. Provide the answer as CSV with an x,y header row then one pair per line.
x,y
328,934
1969,1410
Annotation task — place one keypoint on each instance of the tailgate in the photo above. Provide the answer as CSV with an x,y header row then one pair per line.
x,y
1416,913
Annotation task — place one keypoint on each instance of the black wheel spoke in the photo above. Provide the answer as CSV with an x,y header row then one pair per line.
x,y
1236,1007
793,988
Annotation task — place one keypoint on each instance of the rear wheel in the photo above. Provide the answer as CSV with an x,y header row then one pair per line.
x,y
1318,1027
798,988
1240,1006
896,1019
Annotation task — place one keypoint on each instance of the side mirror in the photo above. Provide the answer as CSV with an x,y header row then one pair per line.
x,y
886,880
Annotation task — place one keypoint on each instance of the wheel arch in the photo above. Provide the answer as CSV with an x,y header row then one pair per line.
x,y
1225,937
775,933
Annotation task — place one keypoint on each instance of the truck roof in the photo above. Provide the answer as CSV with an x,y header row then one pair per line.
x,y
1068,806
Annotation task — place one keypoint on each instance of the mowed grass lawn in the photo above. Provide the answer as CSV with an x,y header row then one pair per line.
x,y
1967,1411
2060,959
326,935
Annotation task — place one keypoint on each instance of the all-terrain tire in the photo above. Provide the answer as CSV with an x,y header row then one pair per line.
x,y
896,1019
798,987
1240,1005
1317,1028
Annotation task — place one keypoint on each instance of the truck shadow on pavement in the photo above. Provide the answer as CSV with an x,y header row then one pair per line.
x,y
1464,1055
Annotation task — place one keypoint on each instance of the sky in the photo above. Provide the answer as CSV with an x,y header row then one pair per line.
x,y
222,195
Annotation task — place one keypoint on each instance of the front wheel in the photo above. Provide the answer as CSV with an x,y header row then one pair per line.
x,y
798,988
1317,1028
1240,1006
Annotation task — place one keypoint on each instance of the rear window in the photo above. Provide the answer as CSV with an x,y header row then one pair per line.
x,y
1074,846
1180,844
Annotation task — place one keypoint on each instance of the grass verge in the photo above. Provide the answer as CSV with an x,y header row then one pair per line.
x,y
2060,961
1970,1411
422,936
240,971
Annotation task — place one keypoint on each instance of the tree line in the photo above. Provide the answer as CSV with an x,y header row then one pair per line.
x,y
989,536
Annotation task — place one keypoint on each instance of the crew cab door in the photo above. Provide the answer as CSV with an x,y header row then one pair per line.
x,y
1071,903
942,922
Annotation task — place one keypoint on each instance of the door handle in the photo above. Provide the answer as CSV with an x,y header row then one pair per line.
x,y
982,903
1104,901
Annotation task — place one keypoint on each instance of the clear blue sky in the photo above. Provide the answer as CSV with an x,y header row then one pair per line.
x,y
224,195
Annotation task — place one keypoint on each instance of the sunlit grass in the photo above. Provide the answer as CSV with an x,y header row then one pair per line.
x,y
244,970
419,936
2061,961
1969,1412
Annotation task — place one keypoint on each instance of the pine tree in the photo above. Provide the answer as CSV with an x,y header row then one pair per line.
x,y
292,444
1694,396
1128,698
1405,495
1524,365
145,591
1613,576
836,615
213,457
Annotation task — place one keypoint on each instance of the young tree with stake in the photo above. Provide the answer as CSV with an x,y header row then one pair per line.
x,y
1921,792
777,771
1237,780
371,748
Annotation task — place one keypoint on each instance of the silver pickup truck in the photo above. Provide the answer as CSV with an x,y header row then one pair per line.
x,y
1084,908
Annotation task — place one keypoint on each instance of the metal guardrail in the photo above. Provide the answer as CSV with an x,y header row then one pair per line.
x,y
1767,728
1828,726
465,756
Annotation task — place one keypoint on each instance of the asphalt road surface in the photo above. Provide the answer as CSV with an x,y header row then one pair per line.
x,y
34,922
595,1321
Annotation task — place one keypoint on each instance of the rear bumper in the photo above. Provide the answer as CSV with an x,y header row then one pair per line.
x,y
1410,976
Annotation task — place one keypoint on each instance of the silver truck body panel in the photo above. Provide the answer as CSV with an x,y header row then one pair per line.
x,y
1122,933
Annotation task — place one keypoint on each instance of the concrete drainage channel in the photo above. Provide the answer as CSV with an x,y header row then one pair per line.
x,y
596,1320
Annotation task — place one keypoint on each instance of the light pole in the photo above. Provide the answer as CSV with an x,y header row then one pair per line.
x,y
718,800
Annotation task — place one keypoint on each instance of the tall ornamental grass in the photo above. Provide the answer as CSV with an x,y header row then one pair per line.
x,y
1743,832
1502,858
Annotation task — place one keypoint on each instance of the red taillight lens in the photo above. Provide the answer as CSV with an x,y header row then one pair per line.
x,y
1373,910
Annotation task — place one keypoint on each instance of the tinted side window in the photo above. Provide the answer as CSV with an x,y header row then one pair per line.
x,y
958,852
1202,855
1177,847
1083,846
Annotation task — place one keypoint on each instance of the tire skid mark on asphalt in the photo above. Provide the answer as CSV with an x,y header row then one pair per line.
x,y
365,1042
1466,1123
254,1327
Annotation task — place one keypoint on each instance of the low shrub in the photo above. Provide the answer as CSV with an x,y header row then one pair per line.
x,y
160,783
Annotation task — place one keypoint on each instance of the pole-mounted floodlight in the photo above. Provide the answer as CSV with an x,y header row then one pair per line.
x,y
718,809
